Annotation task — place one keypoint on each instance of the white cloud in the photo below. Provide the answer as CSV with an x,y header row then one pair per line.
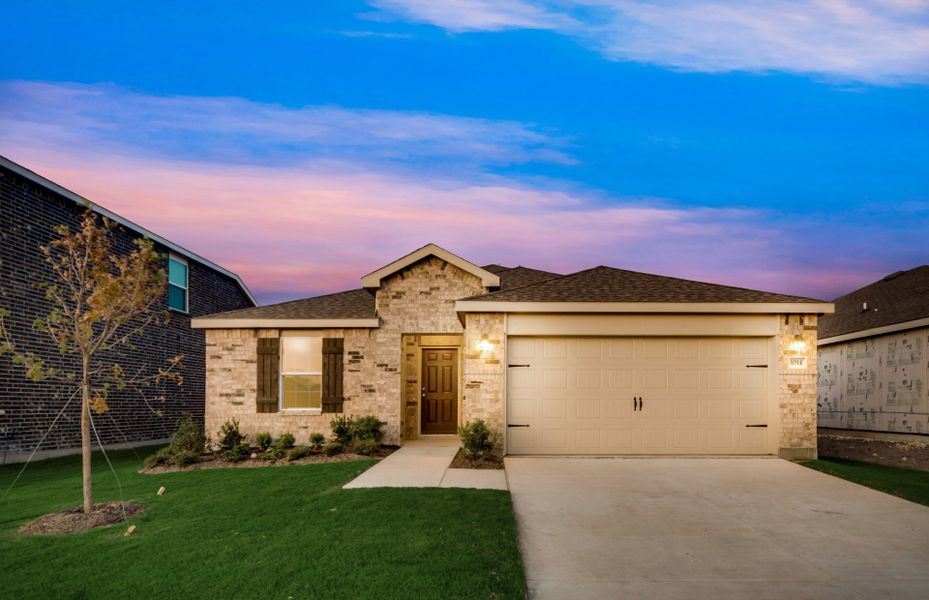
x,y
874,41
230,128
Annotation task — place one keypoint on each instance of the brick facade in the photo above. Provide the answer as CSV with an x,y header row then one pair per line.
x,y
28,214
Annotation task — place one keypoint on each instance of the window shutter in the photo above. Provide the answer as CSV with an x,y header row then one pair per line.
x,y
332,374
269,365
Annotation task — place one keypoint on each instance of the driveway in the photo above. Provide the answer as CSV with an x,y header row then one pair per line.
x,y
712,528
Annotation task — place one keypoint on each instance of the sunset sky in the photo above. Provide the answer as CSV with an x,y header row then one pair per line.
x,y
777,145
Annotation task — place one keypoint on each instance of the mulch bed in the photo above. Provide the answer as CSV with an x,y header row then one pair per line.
x,y
213,461
911,455
73,519
461,461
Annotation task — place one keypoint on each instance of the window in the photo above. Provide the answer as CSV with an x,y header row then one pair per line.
x,y
301,373
177,284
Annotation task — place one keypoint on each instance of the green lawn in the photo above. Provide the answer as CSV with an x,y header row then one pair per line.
x,y
905,483
284,532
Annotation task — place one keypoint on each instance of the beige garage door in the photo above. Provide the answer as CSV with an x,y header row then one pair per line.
x,y
639,395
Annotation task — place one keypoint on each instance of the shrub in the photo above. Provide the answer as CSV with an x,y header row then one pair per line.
x,y
183,458
333,448
298,452
188,437
477,439
161,457
274,453
286,441
317,440
230,437
263,440
365,447
367,428
237,453
341,429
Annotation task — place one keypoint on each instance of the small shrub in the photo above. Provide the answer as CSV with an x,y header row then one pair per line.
x,y
183,458
286,441
477,439
332,448
341,429
367,428
188,437
159,458
229,436
365,447
298,452
317,440
263,440
273,454
237,453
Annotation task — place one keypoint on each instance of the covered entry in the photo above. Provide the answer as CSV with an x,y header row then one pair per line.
x,y
640,395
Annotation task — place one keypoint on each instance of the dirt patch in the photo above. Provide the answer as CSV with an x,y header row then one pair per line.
x,y
461,461
912,455
212,461
73,519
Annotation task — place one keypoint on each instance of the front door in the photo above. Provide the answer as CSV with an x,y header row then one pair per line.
x,y
440,390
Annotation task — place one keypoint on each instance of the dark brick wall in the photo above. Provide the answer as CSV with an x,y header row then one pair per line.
x,y
28,214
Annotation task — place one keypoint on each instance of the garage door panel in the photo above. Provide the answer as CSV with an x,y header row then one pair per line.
x,y
698,395
588,408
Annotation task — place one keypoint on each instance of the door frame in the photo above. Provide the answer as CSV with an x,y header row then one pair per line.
x,y
458,387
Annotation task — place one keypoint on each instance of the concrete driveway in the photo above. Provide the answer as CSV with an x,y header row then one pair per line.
x,y
712,528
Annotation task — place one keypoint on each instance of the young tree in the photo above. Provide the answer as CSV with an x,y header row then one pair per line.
x,y
101,300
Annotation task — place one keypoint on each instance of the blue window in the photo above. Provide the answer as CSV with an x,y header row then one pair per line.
x,y
177,284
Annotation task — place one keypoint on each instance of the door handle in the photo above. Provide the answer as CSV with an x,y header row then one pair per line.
x,y
640,403
634,400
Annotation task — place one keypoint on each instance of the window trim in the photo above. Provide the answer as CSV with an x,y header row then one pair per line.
x,y
186,287
280,382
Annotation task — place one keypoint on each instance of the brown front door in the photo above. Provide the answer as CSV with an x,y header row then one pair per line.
x,y
440,390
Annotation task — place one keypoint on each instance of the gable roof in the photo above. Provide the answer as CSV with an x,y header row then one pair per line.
x,y
373,280
353,308
607,284
78,199
898,299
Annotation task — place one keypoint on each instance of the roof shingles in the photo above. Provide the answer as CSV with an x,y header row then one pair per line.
x,y
897,298
606,284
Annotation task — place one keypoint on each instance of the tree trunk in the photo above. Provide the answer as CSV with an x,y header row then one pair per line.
x,y
85,435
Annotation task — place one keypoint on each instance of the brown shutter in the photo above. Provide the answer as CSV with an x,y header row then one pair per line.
x,y
269,364
332,374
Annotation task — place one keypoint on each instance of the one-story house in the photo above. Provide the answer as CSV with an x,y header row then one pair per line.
x,y
874,357
31,207
602,361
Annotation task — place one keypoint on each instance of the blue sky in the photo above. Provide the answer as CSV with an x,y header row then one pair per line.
x,y
778,145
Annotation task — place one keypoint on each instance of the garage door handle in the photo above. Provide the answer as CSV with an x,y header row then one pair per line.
x,y
517,426
756,366
765,425
518,366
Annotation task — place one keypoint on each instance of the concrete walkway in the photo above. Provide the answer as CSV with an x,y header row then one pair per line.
x,y
424,463
712,528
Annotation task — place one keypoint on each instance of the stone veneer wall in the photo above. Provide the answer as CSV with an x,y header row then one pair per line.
x,y
484,374
231,382
796,389
417,300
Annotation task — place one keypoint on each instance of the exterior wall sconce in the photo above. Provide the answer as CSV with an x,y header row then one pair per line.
x,y
798,344
484,345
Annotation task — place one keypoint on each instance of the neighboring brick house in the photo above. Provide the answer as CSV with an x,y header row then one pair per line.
x,y
603,361
874,357
30,208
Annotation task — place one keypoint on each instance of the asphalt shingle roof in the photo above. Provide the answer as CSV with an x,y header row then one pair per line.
x,y
606,284
353,304
898,297
514,277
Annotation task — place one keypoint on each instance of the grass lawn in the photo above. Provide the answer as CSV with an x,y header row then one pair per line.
x,y
281,532
905,483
